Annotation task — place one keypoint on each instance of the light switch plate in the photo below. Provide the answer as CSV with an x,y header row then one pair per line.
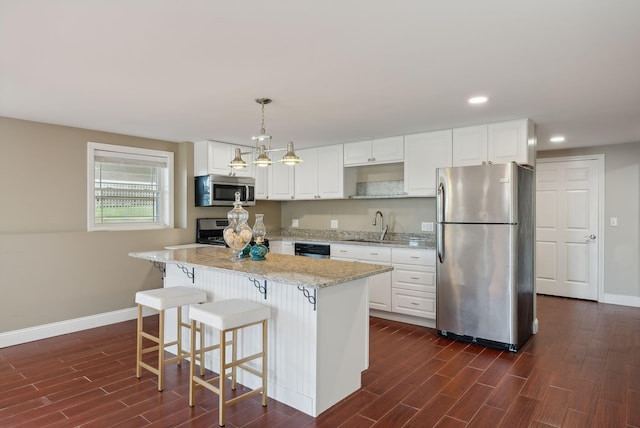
x,y
295,223
334,224
426,226
613,221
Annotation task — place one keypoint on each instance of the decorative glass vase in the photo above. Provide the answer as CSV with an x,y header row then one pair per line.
x,y
238,234
259,250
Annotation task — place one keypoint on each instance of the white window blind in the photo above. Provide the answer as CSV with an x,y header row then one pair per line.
x,y
129,188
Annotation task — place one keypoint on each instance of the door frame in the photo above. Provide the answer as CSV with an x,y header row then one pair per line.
x,y
601,199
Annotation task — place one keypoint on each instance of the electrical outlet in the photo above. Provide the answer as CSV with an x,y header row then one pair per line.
x,y
334,224
295,223
426,226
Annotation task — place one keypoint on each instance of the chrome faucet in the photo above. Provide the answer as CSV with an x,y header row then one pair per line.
x,y
383,228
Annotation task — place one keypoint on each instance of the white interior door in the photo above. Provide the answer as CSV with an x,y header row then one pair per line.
x,y
567,227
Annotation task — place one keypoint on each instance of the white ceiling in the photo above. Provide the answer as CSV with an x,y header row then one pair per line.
x,y
337,71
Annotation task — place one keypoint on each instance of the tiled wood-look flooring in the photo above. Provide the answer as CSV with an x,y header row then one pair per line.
x,y
581,370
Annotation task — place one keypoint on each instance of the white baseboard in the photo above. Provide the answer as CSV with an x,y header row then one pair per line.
x,y
409,319
44,331
621,299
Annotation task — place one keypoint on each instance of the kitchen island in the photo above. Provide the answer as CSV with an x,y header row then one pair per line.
x,y
319,326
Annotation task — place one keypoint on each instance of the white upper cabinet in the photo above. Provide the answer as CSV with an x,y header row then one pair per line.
x,y
321,175
274,182
378,151
281,180
262,182
512,141
423,153
213,157
502,142
306,174
470,145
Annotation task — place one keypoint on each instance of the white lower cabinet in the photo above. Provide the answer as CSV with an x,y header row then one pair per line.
x,y
413,289
379,286
410,289
281,247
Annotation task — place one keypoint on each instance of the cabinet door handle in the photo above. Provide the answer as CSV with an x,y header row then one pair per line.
x,y
374,254
415,257
415,304
415,277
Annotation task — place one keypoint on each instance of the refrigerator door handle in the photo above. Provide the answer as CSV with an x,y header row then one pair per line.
x,y
440,203
440,242
440,219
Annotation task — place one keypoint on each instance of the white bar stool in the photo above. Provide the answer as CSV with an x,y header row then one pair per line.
x,y
228,316
161,299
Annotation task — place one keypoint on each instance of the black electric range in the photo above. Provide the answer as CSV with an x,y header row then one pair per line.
x,y
209,231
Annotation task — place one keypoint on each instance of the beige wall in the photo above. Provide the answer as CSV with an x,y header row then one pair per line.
x,y
402,215
51,268
622,200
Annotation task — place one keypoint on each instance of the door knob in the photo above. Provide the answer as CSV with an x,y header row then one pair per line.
x,y
591,237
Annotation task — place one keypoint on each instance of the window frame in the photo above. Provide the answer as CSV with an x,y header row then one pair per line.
x,y
166,220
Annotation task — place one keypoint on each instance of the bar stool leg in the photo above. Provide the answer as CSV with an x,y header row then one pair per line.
x,y
223,378
161,352
139,343
264,363
192,355
201,349
179,336
234,357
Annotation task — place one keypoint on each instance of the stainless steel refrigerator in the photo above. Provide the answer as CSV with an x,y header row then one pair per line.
x,y
485,254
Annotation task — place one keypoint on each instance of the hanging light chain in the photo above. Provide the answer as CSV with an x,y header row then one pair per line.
x,y
262,131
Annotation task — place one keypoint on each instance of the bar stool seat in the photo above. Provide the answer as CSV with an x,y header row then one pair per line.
x,y
161,299
228,316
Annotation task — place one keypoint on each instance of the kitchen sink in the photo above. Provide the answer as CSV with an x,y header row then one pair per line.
x,y
410,243
377,241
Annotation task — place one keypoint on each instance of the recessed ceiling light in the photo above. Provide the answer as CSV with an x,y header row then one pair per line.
x,y
478,100
557,139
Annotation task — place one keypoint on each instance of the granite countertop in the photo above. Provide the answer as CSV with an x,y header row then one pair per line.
x,y
302,271
354,238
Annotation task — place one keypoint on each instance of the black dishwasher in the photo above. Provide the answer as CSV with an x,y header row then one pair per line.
x,y
318,251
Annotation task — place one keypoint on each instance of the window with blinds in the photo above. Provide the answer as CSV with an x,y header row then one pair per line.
x,y
129,188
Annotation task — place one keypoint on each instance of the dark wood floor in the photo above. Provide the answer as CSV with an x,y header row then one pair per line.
x,y
581,370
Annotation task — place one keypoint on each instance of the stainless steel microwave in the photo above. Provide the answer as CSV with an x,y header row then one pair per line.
x,y
220,190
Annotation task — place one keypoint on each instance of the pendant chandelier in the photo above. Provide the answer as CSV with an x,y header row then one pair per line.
x,y
263,147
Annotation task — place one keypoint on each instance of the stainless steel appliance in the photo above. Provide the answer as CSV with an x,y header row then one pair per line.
x,y
210,231
318,251
485,249
220,190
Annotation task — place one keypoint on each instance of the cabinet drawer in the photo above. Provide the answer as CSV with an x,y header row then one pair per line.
x,y
414,280
362,253
415,303
422,257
